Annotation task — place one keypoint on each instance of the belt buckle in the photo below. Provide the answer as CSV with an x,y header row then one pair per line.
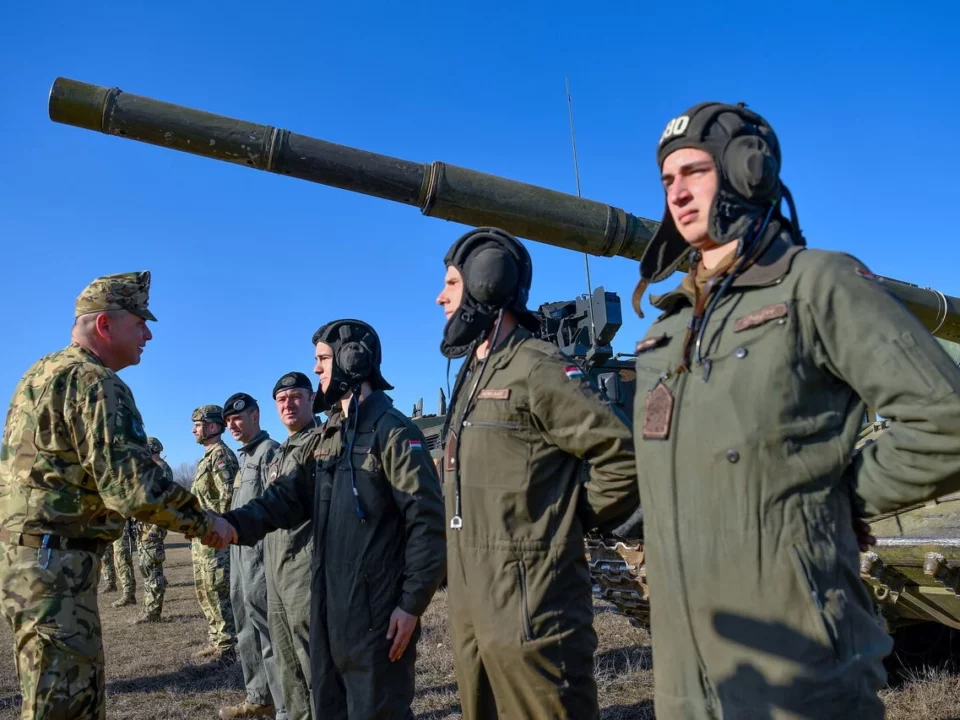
x,y
45,563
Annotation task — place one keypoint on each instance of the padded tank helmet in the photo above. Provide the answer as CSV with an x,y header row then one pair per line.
x,y
497,273
356,357
746,153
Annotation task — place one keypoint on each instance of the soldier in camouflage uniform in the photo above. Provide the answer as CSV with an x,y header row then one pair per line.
x,y
151,553
213,486
109,570
123,562
74,462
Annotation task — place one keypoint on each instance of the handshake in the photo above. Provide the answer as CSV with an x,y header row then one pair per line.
x,y
221,533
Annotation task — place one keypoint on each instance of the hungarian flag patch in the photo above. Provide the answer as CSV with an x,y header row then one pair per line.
x,y
416,445
573,372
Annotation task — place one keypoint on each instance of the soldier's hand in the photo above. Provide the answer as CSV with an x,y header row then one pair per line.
x,y
864,538
220,535
402,625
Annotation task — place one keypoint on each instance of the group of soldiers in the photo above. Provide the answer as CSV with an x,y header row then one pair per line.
x,y
753,380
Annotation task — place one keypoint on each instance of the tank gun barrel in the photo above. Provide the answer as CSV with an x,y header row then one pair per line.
x,y
438,189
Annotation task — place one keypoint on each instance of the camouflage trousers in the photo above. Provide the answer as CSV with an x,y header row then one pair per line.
x,y
211,574
151,555
118,556
50,604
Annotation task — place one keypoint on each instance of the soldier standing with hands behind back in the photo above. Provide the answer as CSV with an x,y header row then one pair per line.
x,y
768,617
523,420
74,463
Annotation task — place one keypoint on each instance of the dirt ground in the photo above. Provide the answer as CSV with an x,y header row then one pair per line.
x,y
150,677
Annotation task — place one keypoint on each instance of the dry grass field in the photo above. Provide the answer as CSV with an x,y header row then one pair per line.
x,y
150,676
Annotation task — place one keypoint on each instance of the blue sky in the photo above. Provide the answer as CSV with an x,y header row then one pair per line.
x,y
246,265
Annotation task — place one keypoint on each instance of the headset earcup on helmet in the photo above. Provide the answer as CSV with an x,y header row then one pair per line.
x,y
752,169
491,275
354,357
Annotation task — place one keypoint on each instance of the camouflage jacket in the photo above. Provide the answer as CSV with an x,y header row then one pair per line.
x,y
213,483
74,460
167,470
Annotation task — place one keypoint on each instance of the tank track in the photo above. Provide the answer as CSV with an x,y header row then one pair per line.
x,y
620,577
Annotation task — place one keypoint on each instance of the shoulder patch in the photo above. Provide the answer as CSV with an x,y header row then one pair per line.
x,y
573,372
760,317
415,445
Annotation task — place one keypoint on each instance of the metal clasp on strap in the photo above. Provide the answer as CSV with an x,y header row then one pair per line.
x,y
44,563
456,522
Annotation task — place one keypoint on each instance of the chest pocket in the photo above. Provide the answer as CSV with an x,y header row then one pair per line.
x,y
504,409
497,438
756,327
247,475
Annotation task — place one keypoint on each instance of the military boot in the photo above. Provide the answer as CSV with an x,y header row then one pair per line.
x,y
124,601
247,710
143,619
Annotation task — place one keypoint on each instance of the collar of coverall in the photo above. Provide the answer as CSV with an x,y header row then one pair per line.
x,y
301,435
768,269
501,355
371,409
257,439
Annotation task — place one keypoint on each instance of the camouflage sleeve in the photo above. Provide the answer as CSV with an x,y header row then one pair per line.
x,y
111,446
416,491
571,414
224,468
862,335
286,503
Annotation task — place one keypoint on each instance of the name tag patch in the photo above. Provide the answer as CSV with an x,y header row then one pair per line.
x,y
651,344
494,394
760,317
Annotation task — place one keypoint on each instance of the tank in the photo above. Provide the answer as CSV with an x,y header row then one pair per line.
x,y
913,572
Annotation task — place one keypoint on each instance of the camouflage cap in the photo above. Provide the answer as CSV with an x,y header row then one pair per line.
x,y
154,445
208,413
123,291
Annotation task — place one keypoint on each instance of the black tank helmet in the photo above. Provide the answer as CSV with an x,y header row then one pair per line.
x,y
497,273
746,153
356,357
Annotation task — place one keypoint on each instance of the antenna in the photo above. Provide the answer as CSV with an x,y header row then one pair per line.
x,y
576,172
